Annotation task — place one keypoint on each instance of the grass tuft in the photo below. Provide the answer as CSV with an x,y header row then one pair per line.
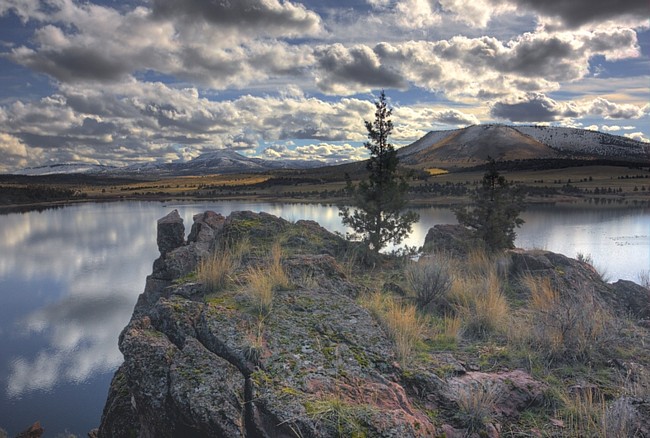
x,y
401,322
476,404
481,304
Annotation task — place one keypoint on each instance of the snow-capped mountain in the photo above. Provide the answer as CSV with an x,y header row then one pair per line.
x,y
472,145
64,168
585,142
218,161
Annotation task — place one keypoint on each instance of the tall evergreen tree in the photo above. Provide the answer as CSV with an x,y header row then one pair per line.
x,y
379,200
494,215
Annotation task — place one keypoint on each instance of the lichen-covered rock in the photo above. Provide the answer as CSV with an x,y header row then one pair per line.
x,y
205,364
451,239
171,232
314,362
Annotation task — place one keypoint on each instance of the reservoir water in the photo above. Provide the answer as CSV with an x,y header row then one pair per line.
x,y
69,278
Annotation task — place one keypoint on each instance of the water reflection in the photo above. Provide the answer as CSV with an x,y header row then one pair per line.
x,y
69,279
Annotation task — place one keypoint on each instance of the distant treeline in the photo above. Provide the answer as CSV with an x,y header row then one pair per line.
x,y
557,163
10,195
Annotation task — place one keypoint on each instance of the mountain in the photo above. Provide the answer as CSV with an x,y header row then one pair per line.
x,y
472,145
64,168
219,161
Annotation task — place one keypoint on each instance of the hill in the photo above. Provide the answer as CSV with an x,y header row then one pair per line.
x,y
472,145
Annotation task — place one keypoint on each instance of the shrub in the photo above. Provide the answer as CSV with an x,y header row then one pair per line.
x,y
481,304
565,326
476,405
430,279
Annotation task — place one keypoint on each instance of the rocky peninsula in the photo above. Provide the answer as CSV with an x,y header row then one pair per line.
x,y
255,326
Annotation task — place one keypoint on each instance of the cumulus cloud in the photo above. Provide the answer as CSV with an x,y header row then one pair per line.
x,y
638,136
540,108
611,110
322,152
351,70
268,16
579,12
14,152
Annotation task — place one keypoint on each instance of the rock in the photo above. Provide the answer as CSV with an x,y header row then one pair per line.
x,y
317,364
511,391
119,418
634,299
452,239
33,431
210,367
171,233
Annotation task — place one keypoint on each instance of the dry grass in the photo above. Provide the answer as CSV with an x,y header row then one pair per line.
x,y
343,418
564,326
260,289
401,322
263,280
481,304
216,270
476,405
278,276
587,414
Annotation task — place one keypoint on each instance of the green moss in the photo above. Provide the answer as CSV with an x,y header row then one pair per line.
x,y
188,278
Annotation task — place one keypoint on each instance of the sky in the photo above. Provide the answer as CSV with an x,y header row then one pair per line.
x,y
115,82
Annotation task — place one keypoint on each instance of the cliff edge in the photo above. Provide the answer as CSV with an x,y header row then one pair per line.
x,y
254,326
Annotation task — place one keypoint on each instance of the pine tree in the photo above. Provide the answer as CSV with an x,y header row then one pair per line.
x,y
379,200
494,215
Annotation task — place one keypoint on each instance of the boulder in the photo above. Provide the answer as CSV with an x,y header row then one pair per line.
x,y
451,239
171,233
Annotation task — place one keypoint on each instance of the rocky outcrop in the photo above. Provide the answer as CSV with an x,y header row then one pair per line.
x,y
316,363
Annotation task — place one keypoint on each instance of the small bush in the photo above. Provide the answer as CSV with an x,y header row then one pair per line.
x,y
401,322
565,326
476,404
430,280
481,304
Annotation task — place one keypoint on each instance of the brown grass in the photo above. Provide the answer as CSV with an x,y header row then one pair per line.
x,y
565,326
401,322
216,271
481,304
263,280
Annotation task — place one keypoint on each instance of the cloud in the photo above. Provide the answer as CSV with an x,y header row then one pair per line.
x,y
537,107
322,152
533,108
268,17
611,110
343,70
576,13
638,136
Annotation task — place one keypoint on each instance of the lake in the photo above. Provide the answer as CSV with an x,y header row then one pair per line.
x,y
69,279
